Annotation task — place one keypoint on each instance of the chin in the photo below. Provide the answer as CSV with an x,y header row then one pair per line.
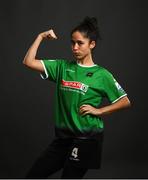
x,y
78,57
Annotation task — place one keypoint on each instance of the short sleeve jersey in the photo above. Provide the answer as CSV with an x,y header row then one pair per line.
x,y
77,85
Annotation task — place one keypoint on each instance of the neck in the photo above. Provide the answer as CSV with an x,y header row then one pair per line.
x,y
87,61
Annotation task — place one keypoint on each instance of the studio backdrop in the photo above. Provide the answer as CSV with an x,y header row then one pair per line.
x,y
27,102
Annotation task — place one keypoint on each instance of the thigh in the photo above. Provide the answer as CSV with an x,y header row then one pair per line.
x,y
50,160
70,171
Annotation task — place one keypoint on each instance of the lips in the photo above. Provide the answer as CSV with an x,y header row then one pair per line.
x,y
76,54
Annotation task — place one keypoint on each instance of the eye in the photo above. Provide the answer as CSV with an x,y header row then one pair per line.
x,y
80,42
72,42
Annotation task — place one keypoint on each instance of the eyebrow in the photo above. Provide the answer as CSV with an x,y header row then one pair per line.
x,y
78,41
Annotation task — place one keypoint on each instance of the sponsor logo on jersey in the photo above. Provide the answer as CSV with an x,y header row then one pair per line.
x,y
75,85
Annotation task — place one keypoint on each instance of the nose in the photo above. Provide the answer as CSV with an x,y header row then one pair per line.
x,y
75,47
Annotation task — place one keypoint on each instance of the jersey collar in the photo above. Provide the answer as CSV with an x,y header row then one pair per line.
x,y
85,65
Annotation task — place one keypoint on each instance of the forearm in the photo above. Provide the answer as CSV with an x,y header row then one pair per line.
x,y
121,104
31,53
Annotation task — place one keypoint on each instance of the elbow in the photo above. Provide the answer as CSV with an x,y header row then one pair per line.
x,y
127,103
26,64
130,104
124,102
25,61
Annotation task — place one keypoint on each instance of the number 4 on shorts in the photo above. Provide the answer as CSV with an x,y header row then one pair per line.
x,y
75,152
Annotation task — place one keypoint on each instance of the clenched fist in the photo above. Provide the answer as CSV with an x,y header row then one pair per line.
x,y
48,34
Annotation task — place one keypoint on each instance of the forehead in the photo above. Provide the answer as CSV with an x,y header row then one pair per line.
x,y
79,36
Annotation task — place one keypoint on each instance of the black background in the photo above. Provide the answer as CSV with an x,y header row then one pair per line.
x,y
26,101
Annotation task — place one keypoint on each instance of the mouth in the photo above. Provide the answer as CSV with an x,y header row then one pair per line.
x,y
76,54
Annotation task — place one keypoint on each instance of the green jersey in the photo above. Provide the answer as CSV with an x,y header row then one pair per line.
x,y
76,85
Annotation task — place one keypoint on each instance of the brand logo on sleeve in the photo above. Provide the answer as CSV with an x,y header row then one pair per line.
x,y
118,85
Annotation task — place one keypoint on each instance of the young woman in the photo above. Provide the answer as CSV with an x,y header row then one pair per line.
x,y
80,87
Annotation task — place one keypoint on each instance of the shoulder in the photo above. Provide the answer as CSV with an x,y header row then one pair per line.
x,y
64,61
67,62
103,71
105,75
56,61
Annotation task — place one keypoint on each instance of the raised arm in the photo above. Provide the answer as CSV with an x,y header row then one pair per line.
x,y
30,57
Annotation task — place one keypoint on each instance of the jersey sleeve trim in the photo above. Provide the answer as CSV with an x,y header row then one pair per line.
x,y
45,74
119,98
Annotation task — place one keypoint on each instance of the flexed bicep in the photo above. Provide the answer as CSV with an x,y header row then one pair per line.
x,y
30,59
36,65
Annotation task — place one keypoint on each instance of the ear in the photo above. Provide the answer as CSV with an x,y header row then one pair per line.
x,y
92,44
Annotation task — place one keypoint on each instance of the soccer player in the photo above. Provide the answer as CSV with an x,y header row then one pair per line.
x,y
81,85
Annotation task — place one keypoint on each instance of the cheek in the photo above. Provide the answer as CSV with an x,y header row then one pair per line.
x,y
86,49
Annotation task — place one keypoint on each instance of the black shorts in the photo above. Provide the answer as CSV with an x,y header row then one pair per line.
x,y
75,155
83,153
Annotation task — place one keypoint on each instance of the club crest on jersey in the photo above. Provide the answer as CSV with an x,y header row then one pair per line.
x,y
75,85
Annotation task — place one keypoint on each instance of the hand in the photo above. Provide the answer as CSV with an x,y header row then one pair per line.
x,y
48,34
88,109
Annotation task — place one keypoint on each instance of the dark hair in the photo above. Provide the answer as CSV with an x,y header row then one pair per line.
x,y
89,26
